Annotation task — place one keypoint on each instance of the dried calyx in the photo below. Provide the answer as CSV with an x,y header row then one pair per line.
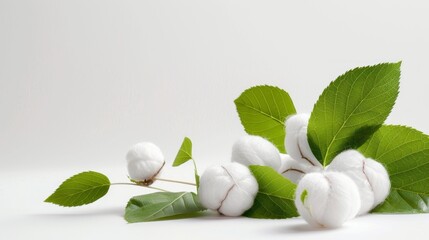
x,y
145,162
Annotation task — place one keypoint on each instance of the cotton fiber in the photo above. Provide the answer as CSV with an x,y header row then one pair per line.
x,y
255,150
145,161
229,189
327,199
369,175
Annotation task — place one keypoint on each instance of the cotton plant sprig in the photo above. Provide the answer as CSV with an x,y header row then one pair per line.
x,y
329,166
145,161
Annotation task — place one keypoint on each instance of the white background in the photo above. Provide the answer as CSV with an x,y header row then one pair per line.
x,y
81,81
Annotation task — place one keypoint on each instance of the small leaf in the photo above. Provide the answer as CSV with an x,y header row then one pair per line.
x,y
263,111
351,109
80,189
184,154
275,198
304,195
405,154
161,205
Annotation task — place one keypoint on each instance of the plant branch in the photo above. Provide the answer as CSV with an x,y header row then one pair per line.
x,y
174,181
139,185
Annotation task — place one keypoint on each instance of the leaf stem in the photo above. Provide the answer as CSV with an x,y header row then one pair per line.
x,y
133,184
174,181
197,177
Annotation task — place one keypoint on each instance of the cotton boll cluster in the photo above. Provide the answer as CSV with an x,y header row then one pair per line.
x,y
145,161
349,173
351,185
229,189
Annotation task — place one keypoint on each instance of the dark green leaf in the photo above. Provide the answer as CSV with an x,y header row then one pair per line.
x,y
405,154
263,111
275,198
80,189
161,205
351,109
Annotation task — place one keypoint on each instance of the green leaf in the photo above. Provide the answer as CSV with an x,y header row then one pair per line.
x,y
263,111
405,154
184,155
275,198
304,195
80,189
351,109
161,205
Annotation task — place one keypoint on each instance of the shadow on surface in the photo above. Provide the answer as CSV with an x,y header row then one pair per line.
x,y
300,228
114,211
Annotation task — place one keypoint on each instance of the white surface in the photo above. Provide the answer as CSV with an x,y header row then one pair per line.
x,y
24,215
81,81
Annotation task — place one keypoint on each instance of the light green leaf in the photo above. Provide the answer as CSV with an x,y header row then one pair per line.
x,y
80,189
161,205
275,198
351,109
405,154
263,111
184,155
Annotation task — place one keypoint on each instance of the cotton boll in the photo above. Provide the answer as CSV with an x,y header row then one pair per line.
x,y
379,180
145,161
255,150
327,199
370,176
296,141
294,170
229,189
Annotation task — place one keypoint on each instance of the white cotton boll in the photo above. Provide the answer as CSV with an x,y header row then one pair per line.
x,y
327,199
379,179
229,189
369,175
296,141
255,150
145,161
294,170
293,125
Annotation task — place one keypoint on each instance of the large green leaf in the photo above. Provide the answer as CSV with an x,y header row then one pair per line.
x,y
405,154
184,155
351,109
80,189
263,111
275,198
161,205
